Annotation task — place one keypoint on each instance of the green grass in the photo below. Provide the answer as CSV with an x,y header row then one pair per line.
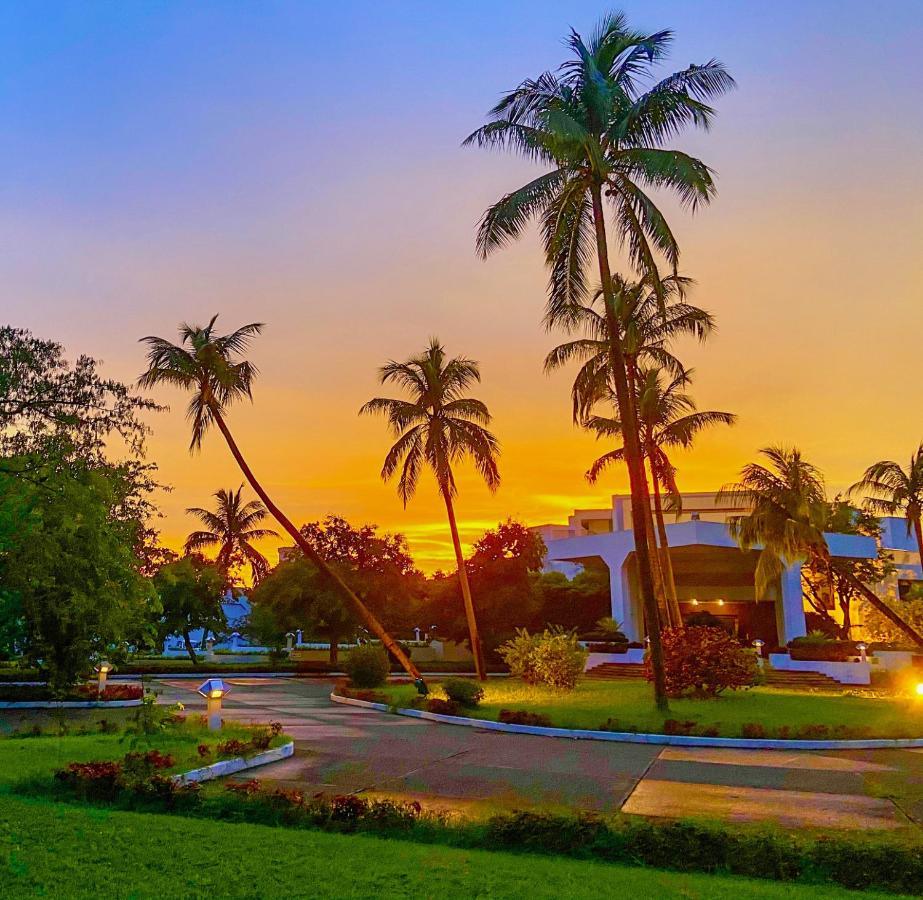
x,y
75,852
627,706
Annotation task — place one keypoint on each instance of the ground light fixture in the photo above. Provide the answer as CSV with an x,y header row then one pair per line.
x,y
213,690
920,689
103,668
862,647
758,646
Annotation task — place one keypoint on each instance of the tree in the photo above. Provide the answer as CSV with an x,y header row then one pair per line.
x,y
297,595
667,418
892,491
603,136
191,590
49,404
788,514
439,426
232,527
71,565
210,366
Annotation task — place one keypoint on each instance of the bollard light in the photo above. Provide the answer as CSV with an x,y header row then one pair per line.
x,y
758,646
102,670
213,690
862,647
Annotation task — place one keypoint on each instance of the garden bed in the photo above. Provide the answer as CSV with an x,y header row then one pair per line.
x,y
627,707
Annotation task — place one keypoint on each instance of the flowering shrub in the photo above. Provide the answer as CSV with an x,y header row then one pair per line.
x,y
553,657
111,692
704,662
204,750
245,788
443,707
233,747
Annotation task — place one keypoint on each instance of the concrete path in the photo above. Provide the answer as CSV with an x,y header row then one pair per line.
x,y
345,749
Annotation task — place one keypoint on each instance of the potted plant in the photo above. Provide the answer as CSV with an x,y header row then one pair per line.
x,y
605,637
820,647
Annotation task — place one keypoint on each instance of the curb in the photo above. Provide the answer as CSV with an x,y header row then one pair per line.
x,y
238,764
629,737
68,704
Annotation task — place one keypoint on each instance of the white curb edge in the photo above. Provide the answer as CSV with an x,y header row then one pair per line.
x,y
630,737
238,764
68,704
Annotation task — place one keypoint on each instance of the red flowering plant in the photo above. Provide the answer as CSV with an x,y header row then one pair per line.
x,y
702,662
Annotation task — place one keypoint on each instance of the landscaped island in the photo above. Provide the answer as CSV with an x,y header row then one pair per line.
x,y
625,706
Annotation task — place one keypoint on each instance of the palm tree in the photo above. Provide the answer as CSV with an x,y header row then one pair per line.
x,y
788,510
211,366
668,418
439,426
896,491
603,135
231,526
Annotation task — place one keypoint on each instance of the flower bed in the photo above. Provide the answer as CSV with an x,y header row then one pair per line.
x,y
23,693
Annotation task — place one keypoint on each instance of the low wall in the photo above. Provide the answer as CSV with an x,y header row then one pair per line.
x,y
632,656
844,672
892,660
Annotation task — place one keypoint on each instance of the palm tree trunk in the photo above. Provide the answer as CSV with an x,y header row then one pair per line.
x,y
363,612
640,497
476,648
669,578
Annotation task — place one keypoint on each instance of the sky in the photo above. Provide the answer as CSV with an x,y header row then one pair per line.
x,y
300,164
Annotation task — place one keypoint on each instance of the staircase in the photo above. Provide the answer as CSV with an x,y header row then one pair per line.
x,y
774,678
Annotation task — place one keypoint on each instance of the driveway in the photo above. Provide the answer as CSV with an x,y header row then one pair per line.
x,y
345,749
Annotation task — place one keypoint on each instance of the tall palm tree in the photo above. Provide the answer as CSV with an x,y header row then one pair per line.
x,y
891,490
788,509
600,123
439,426
210,365
232,527
668,418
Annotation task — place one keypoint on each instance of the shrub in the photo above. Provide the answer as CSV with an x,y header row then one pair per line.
x,y
443,707
367,666
463,691
553,657
704,662
753,730
523,717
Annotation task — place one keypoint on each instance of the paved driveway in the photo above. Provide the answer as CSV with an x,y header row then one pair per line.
x,y
345,749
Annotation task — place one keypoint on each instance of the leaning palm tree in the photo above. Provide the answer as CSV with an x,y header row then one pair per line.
x,y
439,426
788,510
601,124
891,490
668,418
231,526
210,365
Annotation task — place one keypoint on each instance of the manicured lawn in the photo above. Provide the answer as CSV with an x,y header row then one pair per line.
x,y
627,706
32,757
65,851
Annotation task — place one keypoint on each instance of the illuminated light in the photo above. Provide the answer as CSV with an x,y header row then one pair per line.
x,y
216,694
920,688
720,602
694,602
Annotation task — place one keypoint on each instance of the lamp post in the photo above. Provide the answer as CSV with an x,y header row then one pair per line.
x,y
289,640
758,645
213,690
862,647
102,670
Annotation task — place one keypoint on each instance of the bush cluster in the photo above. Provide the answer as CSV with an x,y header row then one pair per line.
x,y
553,658
367,666
523,717
703,662
463,691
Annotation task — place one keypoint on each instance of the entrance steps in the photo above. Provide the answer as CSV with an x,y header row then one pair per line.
x,y
774,677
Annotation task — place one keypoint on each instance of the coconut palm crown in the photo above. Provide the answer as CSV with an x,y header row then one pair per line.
x,y
892,490
232,527
438,425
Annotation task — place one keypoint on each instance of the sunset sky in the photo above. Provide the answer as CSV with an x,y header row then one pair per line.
x,y
299,164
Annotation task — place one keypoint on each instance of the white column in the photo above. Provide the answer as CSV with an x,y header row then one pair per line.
x,y
790,607
622,601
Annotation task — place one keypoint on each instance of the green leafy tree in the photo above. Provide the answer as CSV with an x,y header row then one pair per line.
x,y
439,427
296,595
788,513
600,125
211,367
232,527
72,566
893,491
191,590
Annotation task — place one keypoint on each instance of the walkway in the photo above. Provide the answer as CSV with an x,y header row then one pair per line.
x,y
345,749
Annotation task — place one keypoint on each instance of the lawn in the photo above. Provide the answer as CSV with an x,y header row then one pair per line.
x,y
67,851
627,706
